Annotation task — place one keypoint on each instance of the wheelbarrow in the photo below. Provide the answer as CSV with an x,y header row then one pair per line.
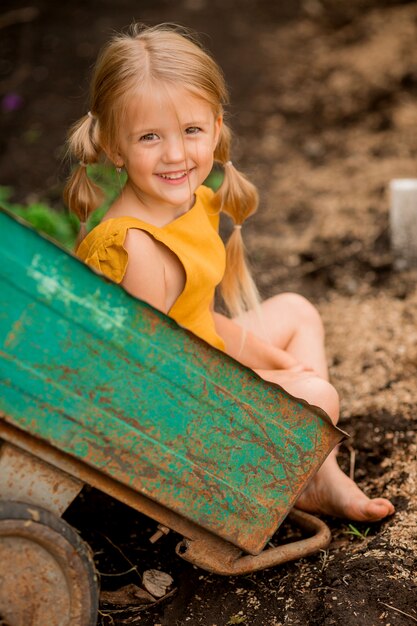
x,y
99,388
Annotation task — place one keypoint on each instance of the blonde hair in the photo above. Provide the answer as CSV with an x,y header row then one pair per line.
x,y
125,66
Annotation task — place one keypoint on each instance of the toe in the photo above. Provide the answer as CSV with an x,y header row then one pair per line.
x,y
376,509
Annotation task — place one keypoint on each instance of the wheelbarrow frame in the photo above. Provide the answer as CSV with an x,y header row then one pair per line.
x,y
198,546
234,451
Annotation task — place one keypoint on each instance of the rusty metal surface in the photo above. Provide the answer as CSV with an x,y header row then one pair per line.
x,y
229,561
207,551
108,485
112,382
43,580
27,478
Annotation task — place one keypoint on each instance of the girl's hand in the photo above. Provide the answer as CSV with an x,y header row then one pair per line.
x,y
254,352
301,367
282,377
285,361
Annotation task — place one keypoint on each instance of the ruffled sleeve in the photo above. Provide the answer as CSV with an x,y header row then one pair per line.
x,y
105,252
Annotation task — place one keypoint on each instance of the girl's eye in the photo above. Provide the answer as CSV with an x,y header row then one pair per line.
x,y
193,130
149,137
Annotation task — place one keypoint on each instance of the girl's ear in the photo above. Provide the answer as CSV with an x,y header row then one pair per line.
x,y
218,123
114,157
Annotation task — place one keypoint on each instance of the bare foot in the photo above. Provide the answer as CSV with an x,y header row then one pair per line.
x,y
331,492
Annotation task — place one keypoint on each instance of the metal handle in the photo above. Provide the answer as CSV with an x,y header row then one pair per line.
x,y
220,557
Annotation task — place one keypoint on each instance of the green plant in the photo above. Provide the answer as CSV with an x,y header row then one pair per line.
x,y
111,182
355,532
58,225
63,226
215,178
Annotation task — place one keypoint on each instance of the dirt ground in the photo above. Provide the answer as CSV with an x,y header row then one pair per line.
x,y
325,108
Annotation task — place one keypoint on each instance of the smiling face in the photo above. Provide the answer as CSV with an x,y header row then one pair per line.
x,y
167,142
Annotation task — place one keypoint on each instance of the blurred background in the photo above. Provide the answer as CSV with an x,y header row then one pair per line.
x,y
324,109
322,93
48,48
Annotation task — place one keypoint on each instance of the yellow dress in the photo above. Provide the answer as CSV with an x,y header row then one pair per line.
x,y
192,237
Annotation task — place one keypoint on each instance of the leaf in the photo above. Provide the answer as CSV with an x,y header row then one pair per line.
x,y
129,595
156,582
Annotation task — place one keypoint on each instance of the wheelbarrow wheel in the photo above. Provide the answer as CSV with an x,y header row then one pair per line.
x,y
47,573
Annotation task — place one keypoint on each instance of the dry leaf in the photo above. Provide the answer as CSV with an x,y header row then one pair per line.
x,y
156,582
129,595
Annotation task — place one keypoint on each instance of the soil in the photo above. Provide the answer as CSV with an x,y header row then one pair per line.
x,y
325,108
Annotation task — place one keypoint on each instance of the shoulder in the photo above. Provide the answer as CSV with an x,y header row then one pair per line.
x,y
142,247
103,249
113,243
144,276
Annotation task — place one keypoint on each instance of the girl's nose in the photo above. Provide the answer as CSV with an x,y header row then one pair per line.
x,y
174,150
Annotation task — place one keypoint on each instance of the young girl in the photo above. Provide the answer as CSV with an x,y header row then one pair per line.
x,y
156,110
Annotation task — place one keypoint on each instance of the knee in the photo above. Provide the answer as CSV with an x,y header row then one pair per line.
x,y
322,394
301,310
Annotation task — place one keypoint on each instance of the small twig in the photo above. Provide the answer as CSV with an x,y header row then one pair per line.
x,y
106,615
138,609
352,460
398,610
324,557
119,550
134,567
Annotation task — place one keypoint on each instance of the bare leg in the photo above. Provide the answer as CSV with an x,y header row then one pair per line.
x,y
293,325
288,321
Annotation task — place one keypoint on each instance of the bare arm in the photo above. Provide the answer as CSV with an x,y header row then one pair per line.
x,y
145,272
145,279
249,349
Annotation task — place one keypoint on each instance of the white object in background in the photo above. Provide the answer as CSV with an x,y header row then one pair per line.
x,y
403,221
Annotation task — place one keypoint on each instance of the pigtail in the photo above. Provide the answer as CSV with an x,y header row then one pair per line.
x,y
81,194
237,197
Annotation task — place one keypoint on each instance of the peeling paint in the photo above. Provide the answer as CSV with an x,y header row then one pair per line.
x,y
146,403
54,285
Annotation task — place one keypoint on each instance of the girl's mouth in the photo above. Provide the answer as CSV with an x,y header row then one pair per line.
x,y
174,178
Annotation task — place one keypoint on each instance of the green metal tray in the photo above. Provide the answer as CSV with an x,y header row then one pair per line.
x,y
110,381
